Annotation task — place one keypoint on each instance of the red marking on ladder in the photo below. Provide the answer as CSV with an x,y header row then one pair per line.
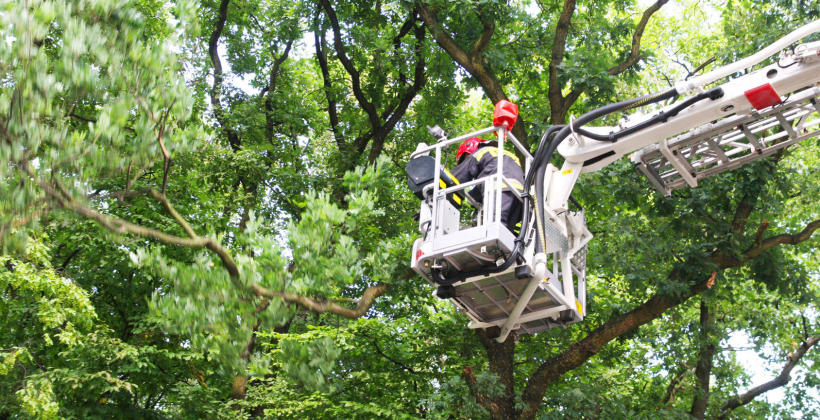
x,y
763,96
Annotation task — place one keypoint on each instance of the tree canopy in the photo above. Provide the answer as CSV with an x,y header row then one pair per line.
x,y
204,214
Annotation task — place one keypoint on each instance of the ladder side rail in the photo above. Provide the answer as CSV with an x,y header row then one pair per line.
x,y
695,83
793,121
734,102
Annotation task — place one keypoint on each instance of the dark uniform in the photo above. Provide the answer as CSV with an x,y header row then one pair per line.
x,y
484,162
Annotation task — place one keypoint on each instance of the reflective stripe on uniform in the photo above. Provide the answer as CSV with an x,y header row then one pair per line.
x,y
453,177
493,152
455,180
452,196
516,185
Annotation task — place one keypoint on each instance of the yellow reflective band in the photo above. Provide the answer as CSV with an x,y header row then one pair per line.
x,y
578,307
512,156
453,177
481,152
566,171
515,185
493,152
453,196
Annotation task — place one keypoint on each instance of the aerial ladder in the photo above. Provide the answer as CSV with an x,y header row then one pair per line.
x,y
534,280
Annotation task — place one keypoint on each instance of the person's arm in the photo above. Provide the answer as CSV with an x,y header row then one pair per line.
x,y
467,170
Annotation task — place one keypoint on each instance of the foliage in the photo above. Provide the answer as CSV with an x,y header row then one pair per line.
x,y
203,213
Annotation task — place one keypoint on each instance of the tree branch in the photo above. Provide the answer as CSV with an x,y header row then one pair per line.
x,y
673,387
785,238
782,379
321,57
272,79
248,350
216,88
444,39
117,225
355,77
403,31
164,200
82,118
419,78
559,45
484,39
68,259
701,67
559,104
23,220
634,53
362,306
379,350
706,354
473,63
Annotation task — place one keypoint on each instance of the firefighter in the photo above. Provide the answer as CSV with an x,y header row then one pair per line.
x,y
477,158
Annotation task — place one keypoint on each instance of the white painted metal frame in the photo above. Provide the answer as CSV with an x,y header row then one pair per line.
x,y
545,282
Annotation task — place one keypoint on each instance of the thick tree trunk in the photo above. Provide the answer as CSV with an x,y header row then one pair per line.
x,y
706,354
500,357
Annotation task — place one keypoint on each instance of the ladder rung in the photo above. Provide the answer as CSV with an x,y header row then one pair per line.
x,y
731,142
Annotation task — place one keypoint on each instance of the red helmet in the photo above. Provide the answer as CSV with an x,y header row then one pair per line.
x,y
469,146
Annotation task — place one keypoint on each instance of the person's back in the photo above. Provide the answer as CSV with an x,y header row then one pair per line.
x,y
478,158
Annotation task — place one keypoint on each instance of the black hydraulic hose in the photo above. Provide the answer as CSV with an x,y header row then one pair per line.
x,y
575,202
543,155
539,209
660,117
536,162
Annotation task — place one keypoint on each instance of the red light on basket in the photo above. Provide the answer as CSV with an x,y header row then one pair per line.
x,y
506,112
419,253
763,96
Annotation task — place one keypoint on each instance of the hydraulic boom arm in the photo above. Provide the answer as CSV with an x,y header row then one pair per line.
x,y
534,279
712,130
